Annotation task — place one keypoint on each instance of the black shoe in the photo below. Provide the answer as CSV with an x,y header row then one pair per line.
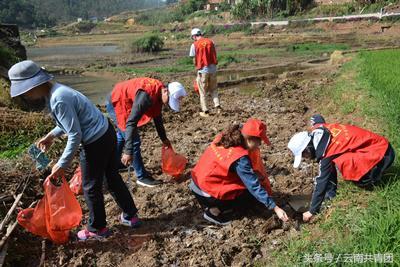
x,y
148,181
220,219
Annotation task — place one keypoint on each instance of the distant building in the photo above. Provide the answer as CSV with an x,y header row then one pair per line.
x,y
214,4
332,2
94,19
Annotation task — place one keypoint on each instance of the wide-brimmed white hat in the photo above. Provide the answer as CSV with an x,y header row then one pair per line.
x,y
25,76
176,90
297,144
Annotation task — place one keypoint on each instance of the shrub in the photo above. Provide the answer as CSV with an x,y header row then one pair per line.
x,y
7,56
149,43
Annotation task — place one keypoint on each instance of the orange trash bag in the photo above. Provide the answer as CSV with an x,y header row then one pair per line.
x,y
54,215
76,182
63,211
172,163
33,219
259,168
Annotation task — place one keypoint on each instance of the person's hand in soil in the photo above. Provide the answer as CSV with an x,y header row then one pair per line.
x,y
167,143
57,172
45,143
307,216
281,214
126,159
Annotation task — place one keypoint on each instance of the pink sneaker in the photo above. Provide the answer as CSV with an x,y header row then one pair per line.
x,y
85,234
134,222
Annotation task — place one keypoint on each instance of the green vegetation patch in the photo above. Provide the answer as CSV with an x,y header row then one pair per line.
x,y
148,43
307,48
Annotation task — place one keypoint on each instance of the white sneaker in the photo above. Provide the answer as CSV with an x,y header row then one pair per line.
x,y
204,114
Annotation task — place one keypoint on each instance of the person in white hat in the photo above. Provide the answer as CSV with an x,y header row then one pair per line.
x,y
360,155
205,60
84,124
134,103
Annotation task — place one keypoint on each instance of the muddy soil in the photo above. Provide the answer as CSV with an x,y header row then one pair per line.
x,y
174,232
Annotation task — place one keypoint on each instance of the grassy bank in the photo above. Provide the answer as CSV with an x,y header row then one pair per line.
x,y
359,223
239,55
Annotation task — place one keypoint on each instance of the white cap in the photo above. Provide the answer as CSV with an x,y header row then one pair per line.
x,y
297,144
195,31
176,90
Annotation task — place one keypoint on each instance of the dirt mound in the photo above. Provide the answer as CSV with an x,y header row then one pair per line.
x,y
174,232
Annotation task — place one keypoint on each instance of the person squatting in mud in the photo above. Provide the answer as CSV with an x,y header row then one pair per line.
x,y
224,181
134,103
84,124
360,155
205,60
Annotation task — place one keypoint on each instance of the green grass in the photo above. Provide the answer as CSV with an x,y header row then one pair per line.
x,y
182,65
310,48
359,222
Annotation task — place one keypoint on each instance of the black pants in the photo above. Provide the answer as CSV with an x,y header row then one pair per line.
x,y
99,160
373,177
241,203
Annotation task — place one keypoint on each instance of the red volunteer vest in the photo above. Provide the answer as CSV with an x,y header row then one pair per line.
x,y
123,97
211,173
205,53
360,150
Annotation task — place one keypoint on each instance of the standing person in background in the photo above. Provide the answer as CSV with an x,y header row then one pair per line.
x,y
205,60
134,103
84,124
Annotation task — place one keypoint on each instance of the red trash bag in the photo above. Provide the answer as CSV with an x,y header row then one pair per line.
x,y
259,168
33,219
196,86
54,215
172,163
63,211
76,182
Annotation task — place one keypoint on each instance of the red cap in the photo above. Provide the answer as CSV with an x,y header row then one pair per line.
x,y
257,128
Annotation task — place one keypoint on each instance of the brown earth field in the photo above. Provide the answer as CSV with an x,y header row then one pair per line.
x,y
174,232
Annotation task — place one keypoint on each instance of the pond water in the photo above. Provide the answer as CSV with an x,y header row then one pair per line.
x,y
96,88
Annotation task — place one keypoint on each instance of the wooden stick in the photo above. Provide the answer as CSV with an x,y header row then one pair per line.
x,y
10,229
3,255
9,213
43,257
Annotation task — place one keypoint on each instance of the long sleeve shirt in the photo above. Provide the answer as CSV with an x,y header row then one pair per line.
x,y
249,178
141,104
327,170
76,117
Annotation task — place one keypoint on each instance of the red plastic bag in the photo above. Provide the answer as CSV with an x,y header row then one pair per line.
x,y
63,211
259,168
33,219
196,86
76,182
172,163
55,214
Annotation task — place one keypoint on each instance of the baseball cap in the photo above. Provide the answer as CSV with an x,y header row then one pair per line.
x,y
257,128
297,144
195,31
316,119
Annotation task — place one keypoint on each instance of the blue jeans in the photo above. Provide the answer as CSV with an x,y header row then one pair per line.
x,y
137,162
